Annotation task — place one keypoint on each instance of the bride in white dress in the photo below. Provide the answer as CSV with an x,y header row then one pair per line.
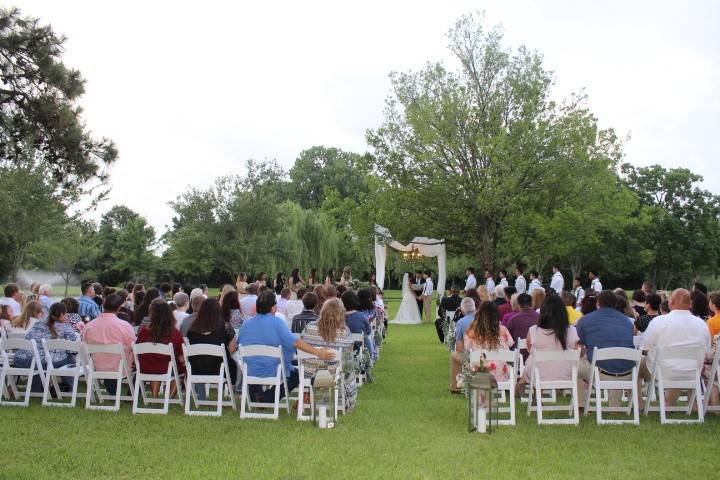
x,y
408,313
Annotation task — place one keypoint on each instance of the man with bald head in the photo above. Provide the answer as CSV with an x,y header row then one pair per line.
x,y
679,328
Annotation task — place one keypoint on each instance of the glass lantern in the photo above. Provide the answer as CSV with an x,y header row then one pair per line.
x,y
324,392
482,402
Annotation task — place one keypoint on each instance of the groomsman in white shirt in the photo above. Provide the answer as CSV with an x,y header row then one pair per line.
x,y
471,282
595,281
503,278
534,282
427,296
520,282
557,282
578,291
489,283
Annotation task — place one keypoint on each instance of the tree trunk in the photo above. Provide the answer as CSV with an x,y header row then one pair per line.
x,y
67,282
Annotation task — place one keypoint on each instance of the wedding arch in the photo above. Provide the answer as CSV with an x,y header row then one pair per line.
x,y
428,247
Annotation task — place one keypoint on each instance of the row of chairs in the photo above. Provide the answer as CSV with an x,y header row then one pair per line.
x,y
599,387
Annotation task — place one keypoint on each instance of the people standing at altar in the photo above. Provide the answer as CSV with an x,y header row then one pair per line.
x,y
426,295
279,282
520,283
330,278
417,288
503,278
489,282
312,279
295,282
471,282
261,280
534,282
346,279
595,281
557,282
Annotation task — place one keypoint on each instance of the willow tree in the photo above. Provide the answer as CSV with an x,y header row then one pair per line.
x,y
467,149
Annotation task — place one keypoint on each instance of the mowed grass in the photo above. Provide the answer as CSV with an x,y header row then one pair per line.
x,y
406,425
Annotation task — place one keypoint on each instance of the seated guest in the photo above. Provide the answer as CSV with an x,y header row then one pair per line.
x,y
505,319
164,290
677,328
108,329
196,302
182,302
125,312
664,307
570,305
449,303
638,302
161,330
142,312
32,314
652,310
282,302
54,327
506,307
308,314
486,333
10,304
589,302
367,307
247,303
231,309
483,293
72,317
88,309
467,307
500,295
520,324
321,292
622,305
356,321
294,307
714,322
553,332
606,327
99,290
330,331
267,329
538,297
45,292
699,305
209,327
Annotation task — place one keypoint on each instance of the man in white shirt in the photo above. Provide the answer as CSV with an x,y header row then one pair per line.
x,y
578,291
10,300
182,302
471,282
520,283
557,282
503,278
247,303
534,282
679,328
427,295
595,281
489,283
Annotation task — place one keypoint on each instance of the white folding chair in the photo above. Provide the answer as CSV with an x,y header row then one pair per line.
x,y
601,385
538,385
220,380
76,371
122,375
277,381
165,379
507,387
662,379
306,383
360,354
16,335
522,345
712,381
9,374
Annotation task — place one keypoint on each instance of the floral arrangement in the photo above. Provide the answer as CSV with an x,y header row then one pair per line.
x,y
483,370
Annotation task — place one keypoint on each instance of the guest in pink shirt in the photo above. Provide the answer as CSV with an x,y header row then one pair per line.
x,y
108,329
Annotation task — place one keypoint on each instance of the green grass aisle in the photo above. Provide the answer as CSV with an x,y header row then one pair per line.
x,y
406,426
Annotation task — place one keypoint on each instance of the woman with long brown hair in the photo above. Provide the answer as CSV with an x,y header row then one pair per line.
x,y
161,330
32,314
330,331
209,327
486,333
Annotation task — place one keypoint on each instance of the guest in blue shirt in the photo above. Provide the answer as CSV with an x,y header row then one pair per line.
x,y
605,328
467,306
267,329
355,320
88,309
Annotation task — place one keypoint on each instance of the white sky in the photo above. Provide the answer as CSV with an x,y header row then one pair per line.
x,y
189,91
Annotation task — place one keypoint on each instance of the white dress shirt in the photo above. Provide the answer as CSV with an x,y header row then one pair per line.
x,y
13,306
503,282
596,285
534,283
428,288
679,328
579,295
520,284
247,305
471,282
558,282
490,285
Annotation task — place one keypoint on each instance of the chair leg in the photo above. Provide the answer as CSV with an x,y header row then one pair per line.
x,y
661,398
598,401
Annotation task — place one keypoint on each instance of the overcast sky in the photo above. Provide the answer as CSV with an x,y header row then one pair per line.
x,y
189,91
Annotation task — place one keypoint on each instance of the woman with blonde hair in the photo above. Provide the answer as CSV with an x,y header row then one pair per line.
x,y
330,331
241,283
32,314
538,297
346,278
483,293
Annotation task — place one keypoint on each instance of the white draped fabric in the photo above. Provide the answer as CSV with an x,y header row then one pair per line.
x,y
428,247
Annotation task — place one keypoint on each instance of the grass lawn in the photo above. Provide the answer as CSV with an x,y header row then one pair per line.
x,y
406,426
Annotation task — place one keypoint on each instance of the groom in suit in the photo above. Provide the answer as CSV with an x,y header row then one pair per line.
x,y
417,288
